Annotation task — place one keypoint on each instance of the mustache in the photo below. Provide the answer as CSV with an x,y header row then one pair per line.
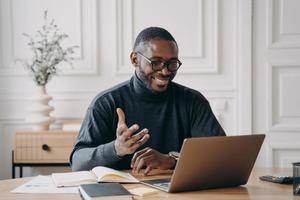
x,y
160,76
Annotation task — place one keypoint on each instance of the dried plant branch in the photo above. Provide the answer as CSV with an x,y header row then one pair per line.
x,y
47,52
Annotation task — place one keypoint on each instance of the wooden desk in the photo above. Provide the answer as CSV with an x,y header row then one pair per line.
x,y
255,189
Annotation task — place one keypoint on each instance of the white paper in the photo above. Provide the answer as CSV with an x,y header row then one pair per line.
x,y
43,184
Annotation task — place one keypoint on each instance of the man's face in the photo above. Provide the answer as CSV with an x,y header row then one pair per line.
x,y
155,50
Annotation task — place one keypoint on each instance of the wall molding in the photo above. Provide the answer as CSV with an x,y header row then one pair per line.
x,y
243,63
57,95
195,64
270,99
86,95
271,148
86,64
274,36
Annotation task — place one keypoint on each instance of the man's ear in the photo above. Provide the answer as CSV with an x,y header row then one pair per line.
x,y
134,59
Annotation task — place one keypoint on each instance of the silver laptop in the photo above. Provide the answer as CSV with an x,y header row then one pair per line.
x,y
212,162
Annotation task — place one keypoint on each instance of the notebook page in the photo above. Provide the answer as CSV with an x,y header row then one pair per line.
x,y
73,178
111,175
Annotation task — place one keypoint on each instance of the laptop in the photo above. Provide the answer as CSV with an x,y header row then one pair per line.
x,y
212,162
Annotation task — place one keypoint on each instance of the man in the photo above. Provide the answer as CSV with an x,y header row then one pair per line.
x,y
137,123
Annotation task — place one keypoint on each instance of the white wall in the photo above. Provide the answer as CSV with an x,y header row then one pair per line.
x,y
276,80
214,38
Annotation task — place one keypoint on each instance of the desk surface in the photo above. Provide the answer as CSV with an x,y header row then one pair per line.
x,y
254,189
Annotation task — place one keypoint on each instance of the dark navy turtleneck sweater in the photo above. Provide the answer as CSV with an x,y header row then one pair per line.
x,y
171,116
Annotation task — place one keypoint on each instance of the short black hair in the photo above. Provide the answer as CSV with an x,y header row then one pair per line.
x,y
152,33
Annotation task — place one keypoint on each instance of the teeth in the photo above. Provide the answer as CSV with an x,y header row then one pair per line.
x,y
162,81
162,78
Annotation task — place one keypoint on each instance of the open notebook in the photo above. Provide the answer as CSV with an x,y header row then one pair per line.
x,y
97,174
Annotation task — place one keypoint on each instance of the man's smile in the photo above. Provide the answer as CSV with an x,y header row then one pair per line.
x,y
161,81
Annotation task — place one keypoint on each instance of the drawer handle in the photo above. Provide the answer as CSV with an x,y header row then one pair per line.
x,y
45,147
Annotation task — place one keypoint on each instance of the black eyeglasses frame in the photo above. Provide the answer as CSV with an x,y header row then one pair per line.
x,y
165,63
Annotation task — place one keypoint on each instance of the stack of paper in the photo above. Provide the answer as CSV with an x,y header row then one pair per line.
x,y
43,184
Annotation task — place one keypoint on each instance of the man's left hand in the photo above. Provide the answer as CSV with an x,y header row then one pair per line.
x,y
151,159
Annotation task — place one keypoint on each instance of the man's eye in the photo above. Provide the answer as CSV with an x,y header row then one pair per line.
x,y
157,62
174,64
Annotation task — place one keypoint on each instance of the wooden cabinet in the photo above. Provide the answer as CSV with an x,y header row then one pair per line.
x,y
42,148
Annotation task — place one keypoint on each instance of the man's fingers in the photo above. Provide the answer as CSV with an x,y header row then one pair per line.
x,y
137,137
147,170
140,142
121,129
143,162
127,133
135,146
121,116
137,154
141,157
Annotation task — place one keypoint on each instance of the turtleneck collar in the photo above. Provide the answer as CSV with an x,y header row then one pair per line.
x,y
145,93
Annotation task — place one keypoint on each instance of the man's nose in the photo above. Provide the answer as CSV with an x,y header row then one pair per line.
x,y
165,71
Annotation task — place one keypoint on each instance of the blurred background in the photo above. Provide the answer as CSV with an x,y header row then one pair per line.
x,y
243,55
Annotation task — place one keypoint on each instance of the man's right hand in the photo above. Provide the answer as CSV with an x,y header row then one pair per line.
x,y
126,142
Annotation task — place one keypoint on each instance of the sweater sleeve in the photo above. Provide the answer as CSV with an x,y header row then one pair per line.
x,y
203,121
95,142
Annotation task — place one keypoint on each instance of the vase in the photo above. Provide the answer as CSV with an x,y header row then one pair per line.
x,y
39,111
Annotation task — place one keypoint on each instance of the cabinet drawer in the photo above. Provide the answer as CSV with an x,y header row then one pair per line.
x,y
43,147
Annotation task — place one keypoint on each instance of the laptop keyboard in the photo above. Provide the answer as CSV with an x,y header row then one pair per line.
x,y
165,185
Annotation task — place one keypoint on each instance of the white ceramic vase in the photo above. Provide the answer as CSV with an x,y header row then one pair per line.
x,y
39,110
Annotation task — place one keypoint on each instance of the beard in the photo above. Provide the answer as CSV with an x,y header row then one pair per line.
x,y
143,77
147,79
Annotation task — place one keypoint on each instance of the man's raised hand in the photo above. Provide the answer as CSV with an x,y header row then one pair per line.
x,y
126,142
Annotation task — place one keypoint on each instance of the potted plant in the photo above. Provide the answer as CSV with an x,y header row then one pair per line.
x,y
47,54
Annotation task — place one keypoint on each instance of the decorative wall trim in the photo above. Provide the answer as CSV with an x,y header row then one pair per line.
x,y
271,148
195,64
57,95
85,64
243,63
86,95
270,100
274,36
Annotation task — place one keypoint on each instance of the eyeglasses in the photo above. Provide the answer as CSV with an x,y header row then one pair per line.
x,y
158,65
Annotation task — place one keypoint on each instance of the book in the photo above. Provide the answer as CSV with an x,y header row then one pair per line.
x,y
104,191
97,174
